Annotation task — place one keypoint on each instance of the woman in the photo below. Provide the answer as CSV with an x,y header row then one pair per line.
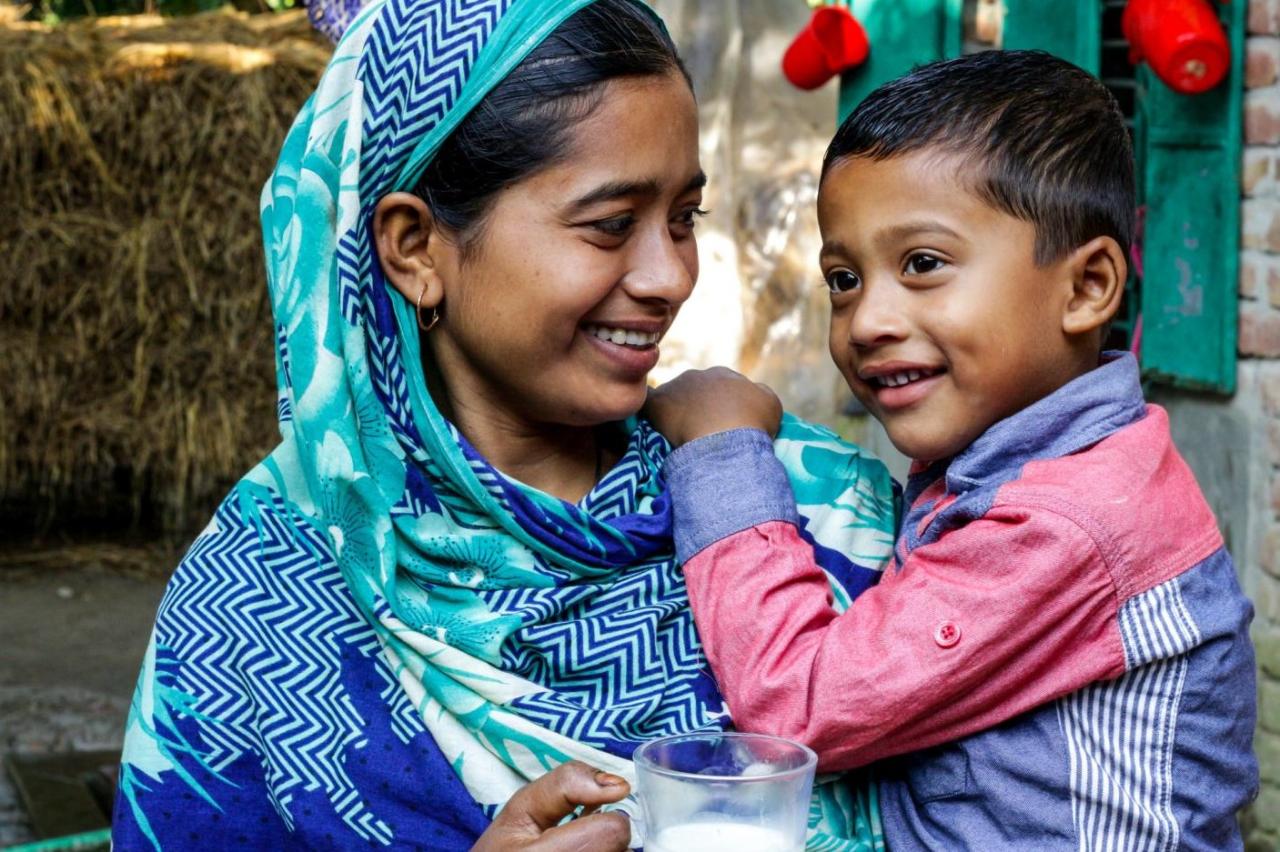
x,y
455,573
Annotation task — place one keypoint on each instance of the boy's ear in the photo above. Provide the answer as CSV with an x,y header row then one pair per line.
x,y
411,248
1098,271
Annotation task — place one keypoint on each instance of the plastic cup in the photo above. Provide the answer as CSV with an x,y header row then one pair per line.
x,y
724,792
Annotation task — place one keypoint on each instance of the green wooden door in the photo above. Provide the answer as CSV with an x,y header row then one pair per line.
x,y
1190,161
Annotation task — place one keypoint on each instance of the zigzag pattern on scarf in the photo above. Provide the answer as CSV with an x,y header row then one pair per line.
x,y
264,662
391,384
489,478
284,408
620,667
616,494
353,259
415,64
615,497
534,606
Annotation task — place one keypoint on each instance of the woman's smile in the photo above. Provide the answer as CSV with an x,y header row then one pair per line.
x,y
630,347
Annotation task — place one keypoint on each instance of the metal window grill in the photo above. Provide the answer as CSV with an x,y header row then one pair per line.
x,y
1118,74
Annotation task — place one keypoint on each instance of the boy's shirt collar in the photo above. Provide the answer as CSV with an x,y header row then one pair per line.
x,y
1077,415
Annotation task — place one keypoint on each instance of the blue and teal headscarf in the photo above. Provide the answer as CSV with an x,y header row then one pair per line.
x,y
526,631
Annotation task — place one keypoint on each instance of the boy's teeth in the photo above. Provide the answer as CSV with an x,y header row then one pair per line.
x,y
897,380
622,336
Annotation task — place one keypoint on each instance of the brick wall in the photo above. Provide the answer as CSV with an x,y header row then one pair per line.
x,y
1260,392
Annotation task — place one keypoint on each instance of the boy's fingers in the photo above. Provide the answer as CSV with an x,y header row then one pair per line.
x,y
597,833
548,800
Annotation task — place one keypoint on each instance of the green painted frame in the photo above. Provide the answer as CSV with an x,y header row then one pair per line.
x,y
1074,33
903,34
1190,151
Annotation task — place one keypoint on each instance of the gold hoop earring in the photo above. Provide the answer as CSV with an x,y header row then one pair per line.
x,y
435,313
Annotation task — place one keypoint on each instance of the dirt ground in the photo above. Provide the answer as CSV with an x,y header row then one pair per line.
x,y
71,642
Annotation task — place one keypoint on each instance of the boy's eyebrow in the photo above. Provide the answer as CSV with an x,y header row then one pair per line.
x,y
833,248
911,229
892,234
624,188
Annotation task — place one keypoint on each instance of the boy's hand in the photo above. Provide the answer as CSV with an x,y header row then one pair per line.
x,y
703,402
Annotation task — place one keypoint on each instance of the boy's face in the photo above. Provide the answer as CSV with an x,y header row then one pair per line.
x,y
941,321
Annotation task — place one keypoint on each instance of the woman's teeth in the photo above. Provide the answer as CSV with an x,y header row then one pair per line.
x,y
622,336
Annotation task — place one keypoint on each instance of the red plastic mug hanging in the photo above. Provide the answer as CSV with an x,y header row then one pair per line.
x,y
1182,40
832,42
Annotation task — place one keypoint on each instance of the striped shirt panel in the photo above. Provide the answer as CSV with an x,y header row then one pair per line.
x,y
1120,734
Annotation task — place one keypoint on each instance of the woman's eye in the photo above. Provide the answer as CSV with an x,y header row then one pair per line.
x,y
923,264
617,226
689,218
842,281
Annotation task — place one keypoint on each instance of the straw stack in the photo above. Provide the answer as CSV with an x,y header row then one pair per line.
x,y
136,369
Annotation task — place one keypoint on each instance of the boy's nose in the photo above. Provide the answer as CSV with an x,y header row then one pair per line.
x,y
877,318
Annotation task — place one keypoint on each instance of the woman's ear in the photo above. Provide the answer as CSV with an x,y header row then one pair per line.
x,y
1098,272
411,248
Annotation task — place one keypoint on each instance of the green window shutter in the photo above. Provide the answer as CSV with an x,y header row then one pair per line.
x,y
903,34
1189,149
1072,31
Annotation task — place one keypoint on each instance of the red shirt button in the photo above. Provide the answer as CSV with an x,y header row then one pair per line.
x,y
946,634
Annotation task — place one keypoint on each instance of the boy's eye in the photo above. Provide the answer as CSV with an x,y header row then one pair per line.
x,y
842,281
923,264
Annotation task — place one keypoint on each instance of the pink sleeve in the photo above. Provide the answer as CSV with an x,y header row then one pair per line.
x,y
993,619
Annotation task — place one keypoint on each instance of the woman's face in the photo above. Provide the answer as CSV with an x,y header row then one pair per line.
x,y
555,314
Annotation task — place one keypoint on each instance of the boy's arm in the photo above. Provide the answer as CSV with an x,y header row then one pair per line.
x,y
1013,610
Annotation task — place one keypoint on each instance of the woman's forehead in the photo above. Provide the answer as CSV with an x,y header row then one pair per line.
x,y
641,140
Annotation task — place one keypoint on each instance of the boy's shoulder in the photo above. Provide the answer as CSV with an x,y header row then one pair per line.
x,y
1133,494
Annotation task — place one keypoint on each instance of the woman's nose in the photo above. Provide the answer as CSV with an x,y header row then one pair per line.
x,y
664,269
878,317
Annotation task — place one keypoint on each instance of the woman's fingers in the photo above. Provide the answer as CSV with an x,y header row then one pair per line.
x,y
542,804
531,819
596,833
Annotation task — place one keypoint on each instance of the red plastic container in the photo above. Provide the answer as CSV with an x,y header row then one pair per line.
x,y
832,42
1182,40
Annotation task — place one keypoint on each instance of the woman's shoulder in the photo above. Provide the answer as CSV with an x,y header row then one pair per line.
x,y
847,500
266,696
813,451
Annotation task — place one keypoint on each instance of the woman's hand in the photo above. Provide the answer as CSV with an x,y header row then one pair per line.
x,y
531,820
702,402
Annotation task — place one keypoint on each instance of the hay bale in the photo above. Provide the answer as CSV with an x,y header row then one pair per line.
x,y
136,368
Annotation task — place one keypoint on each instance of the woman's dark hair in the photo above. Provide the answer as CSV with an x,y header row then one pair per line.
x,y
523,124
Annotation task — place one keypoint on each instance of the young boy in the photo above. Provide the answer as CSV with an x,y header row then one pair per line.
x,y
1059,655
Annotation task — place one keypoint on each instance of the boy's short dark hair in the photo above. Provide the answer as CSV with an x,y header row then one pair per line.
x,y
1046,140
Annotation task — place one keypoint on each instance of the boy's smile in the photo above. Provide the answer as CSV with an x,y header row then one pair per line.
x,y
941,321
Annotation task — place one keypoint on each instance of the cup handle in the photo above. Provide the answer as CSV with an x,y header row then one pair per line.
x,y
635,813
